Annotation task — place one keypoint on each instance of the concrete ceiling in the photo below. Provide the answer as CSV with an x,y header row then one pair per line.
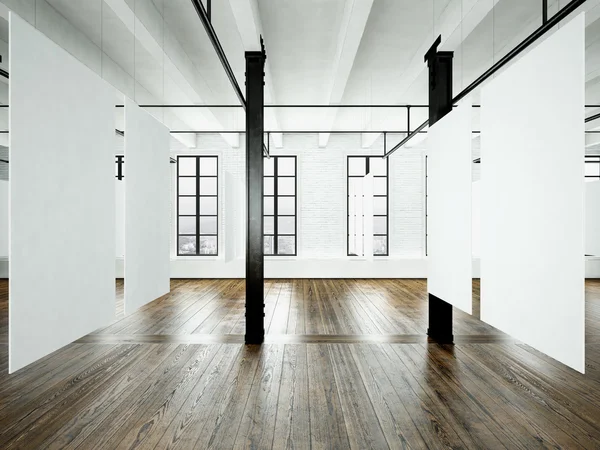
x,y
318,51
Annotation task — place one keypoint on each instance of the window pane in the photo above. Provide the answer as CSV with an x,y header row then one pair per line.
x,y
187,206
379,186
208,245
378,166
187,225
286,186
357,166
286,245
286,225
353,182
379,225
379,245
269,166
286,206
269,186
208,206
208,225
269,225
208,186
187,166
269,206
208,166
286,166
187,245
379,205
187,186
269,249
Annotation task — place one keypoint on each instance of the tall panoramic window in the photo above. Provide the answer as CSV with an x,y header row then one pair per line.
x,y
358,167
197,206
592,168
280,205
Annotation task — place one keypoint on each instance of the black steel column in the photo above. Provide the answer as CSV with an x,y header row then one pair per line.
x,y
440,104
255,300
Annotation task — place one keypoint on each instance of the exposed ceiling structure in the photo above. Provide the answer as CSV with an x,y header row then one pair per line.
x,y
318,52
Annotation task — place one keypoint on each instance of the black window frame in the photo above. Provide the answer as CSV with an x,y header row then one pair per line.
x,y
367,159
596,161
198,196
276,235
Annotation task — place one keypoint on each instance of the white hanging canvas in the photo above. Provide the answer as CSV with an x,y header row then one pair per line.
x,y
449,205
62,197
532,192
147,208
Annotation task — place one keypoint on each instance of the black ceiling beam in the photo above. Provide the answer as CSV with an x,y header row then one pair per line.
x,y
526,43
214,39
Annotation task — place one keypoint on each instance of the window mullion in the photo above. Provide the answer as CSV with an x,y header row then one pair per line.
x,y
275,208
197,205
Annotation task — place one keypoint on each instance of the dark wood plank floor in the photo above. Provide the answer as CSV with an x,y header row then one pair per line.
x,y
345,366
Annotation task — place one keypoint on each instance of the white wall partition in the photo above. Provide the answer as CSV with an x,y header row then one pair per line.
x,y
532,190
592,218
3,219
147,208
62,198
449,205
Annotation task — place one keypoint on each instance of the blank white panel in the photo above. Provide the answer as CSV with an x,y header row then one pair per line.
x,y
449,205
62,198
476,214
120,217
3,218
147,208
368,216
532,192
592,218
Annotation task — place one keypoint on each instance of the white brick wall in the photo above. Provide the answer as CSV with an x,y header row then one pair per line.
x,y
322,192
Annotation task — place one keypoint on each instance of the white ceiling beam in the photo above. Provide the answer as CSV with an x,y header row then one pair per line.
x,y
174,70
354,21
470,13
249,25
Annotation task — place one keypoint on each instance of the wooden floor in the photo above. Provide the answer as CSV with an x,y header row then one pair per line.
x,y
345,365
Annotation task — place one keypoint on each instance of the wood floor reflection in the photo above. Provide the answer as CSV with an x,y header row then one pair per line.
x,y
345,365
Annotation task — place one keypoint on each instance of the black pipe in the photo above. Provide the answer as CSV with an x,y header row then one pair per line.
x,y
544,11
594,117
539,32
212,35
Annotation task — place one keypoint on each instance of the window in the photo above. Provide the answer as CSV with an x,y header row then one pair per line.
x,y
119,161
358,167
197,205
592,168
279,195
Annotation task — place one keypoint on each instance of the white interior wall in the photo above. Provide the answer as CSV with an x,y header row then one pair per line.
x,y
62,198
4,219
592,218
321,179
